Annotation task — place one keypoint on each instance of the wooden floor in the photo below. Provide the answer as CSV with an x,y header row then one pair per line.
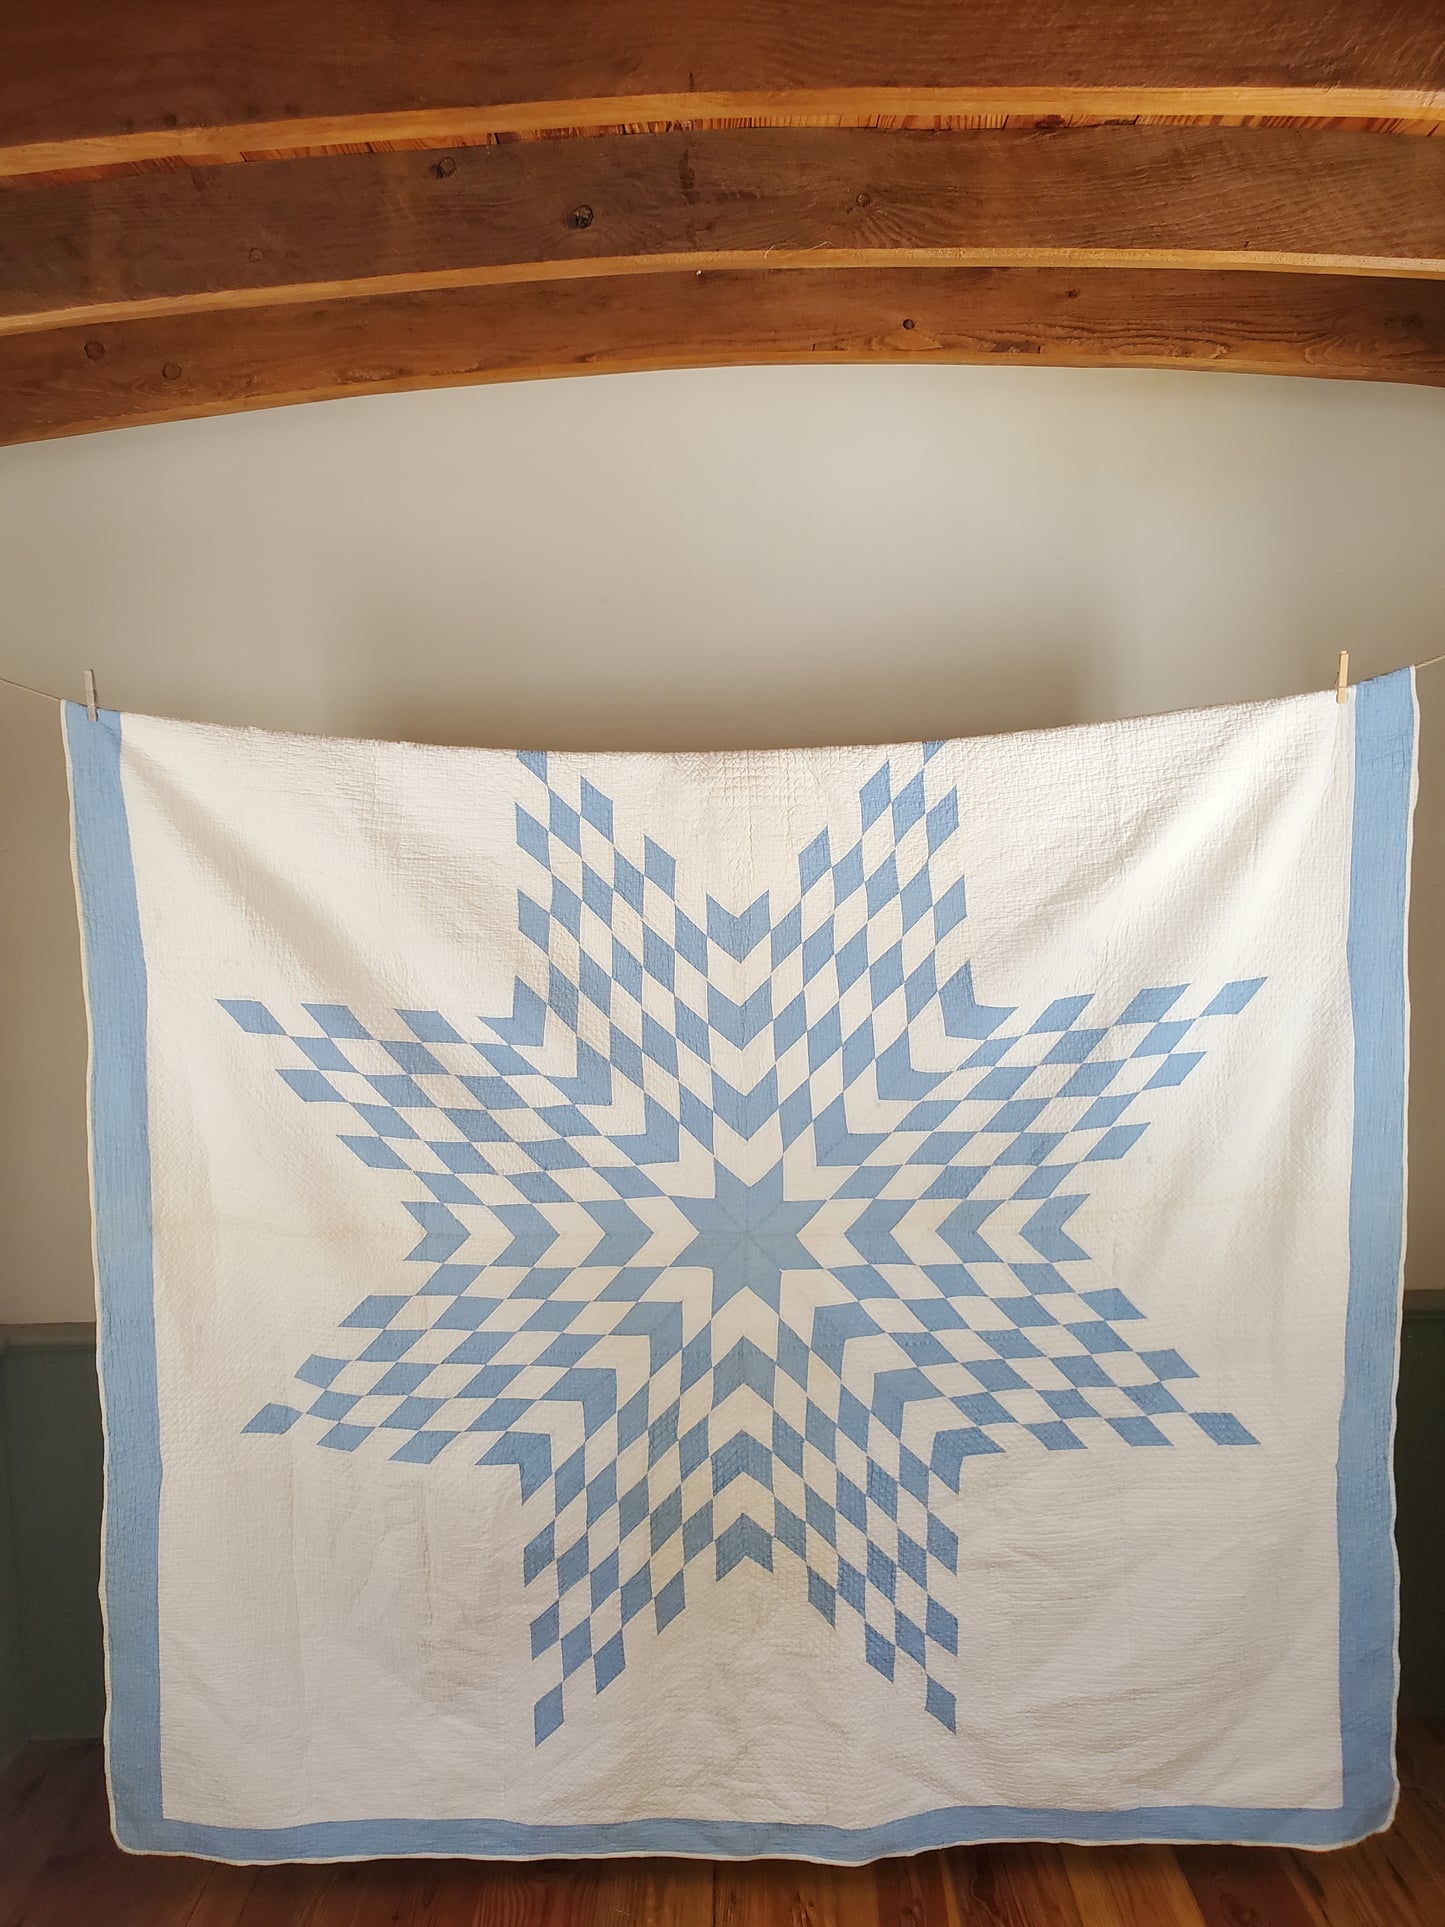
x,y
59,1868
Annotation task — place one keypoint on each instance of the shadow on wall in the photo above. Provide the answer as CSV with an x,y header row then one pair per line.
x,y
836,694
847,687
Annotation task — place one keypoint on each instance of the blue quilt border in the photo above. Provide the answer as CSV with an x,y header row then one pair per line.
x,y
1384,719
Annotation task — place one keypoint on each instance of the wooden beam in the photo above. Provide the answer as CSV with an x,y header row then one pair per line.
x,y
91,82
86,252
164,368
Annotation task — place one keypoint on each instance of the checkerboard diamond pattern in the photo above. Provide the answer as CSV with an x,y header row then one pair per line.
x,y
744,1231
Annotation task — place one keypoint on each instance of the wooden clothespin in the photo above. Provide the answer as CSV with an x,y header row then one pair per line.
x,y
1342,680
90,708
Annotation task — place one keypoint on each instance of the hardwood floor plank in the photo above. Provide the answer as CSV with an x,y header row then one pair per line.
x,y
441,1893
287,1897
673,1893
555,1893
221,1900
793,1893
915,1892
681,1893
513,1897
393,1893
1011,1886
1309,1900
1379,1883
1243,1887
46,1792
1130,1887
609,1892
87,1878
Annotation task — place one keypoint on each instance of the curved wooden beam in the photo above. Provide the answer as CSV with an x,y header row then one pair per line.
x,y
1199,198
162,369
95,82
137,284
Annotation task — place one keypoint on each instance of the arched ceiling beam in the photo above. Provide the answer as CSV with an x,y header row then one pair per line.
x,y
185,241
163,368
205,206
94,82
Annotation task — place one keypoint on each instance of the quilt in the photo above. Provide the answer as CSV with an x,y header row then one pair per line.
x,y
820,1304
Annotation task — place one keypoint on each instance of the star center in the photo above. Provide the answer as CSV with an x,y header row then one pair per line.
x,y
747,1236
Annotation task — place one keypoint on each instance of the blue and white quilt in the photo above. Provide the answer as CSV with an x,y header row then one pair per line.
x,y
817,1304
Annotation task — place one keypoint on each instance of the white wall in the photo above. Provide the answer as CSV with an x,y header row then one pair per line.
x,y
746,557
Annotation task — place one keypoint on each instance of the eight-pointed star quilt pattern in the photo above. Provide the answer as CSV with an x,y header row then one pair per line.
x,y
743,1233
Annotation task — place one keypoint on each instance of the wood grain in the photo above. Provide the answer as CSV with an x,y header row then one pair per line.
x,y
1011,1886
1130,1887
1240,1887
45,1796
769,1893
80,1852
1379,1883
913,1889
71,380
190,240
91,81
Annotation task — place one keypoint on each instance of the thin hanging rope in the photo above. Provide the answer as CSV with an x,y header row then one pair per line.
x,y
30,689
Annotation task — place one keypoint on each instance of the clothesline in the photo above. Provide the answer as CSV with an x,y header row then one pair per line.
x,y
29,689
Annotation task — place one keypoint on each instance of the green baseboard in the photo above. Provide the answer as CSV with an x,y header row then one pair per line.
x,y
1420,1512
51,1674
14,1712
53,1448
